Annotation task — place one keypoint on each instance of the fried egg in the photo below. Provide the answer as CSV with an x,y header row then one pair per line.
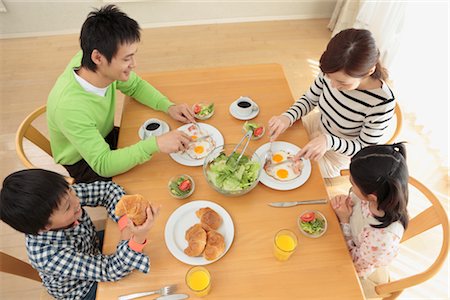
x,y
200,149
283,172
279,156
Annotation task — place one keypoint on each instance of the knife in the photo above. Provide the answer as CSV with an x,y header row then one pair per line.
x,y
173,297
294,203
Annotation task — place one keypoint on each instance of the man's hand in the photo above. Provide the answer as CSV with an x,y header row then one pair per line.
x,y
315,149
182,113
278,125
173,141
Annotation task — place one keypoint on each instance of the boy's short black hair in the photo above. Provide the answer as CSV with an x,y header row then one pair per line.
x,y
105,29
29,197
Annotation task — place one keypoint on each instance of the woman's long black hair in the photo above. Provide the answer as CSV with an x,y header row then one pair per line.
x,y
382,170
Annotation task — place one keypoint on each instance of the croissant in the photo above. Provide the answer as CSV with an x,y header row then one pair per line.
x,y
209,219
215,245
196,237
134,207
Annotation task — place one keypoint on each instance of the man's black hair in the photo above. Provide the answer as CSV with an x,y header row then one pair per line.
x,y
105,29
29,197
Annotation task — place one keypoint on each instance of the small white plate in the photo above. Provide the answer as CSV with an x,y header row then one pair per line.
x,y
182,219
271,182
184,158
164,125
239,116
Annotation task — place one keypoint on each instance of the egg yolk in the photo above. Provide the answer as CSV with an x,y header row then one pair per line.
x,y
193,137
282,173
199,149
277,158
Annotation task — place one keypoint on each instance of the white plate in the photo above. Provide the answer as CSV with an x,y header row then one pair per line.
x,y
283,185
183,218
185,159
239,116
164,125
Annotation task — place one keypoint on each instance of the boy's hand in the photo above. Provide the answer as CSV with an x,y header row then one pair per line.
x,y
173,141
140,232
182,113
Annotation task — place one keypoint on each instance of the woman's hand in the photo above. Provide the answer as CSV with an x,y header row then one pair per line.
x,y
182,113
140,232
343,207
173,141
315,149
278,125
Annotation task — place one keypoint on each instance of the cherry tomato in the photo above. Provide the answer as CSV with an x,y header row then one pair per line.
x,y
258,131
185,185
308,217
197,108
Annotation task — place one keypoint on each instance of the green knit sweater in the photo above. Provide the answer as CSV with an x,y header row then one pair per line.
x,y
78,122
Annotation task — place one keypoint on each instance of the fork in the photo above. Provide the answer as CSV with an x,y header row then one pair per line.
x,y
269,152
165,290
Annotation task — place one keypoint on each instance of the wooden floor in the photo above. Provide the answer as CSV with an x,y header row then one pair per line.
x,y
30,66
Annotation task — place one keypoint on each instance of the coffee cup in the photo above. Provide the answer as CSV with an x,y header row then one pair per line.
x,y
152,127
245,106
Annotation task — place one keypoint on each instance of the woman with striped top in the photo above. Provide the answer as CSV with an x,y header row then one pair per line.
x,y
354,103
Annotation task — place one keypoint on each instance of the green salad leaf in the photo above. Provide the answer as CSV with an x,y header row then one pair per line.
x,y
313,227
206,110
231,176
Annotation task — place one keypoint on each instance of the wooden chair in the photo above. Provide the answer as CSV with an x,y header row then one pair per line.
x,y
431,217
30,132
399,124
14,266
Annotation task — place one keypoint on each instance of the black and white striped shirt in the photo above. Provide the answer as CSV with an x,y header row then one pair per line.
x,y
350,120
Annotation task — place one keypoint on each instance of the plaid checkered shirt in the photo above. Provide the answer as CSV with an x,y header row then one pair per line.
x,y
69,260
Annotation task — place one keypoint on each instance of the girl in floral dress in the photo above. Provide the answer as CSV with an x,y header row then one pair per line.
x,y
373,215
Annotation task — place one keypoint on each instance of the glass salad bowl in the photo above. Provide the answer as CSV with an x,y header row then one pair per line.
x,y
312,223
229,177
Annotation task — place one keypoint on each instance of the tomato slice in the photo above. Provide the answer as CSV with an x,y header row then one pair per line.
x,y
185,185
197,109
308,217
258,131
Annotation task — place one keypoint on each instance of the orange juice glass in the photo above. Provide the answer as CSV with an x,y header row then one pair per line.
x,y
198,280
284,244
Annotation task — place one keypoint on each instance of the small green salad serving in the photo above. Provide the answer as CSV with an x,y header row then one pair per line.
x,y
312,223
203,111
181,186
255,128
228,176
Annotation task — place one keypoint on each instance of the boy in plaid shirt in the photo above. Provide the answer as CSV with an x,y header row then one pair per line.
x,y
61,240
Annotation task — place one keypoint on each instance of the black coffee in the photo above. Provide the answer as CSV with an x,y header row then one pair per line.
x,y
152,126
244,104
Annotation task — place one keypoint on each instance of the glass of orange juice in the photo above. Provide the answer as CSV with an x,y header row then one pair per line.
x,y
198,280
284,244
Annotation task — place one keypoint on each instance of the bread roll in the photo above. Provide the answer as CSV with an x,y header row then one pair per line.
x,y
215,245
209,219
134,206
196,237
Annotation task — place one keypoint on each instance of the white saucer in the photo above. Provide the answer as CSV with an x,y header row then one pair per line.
x,y
239,116
164,125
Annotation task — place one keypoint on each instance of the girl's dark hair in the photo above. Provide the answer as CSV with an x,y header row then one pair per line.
x,y
354,52
29,197
105,29
382,170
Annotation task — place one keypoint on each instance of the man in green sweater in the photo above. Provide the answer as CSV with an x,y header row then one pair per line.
x,y
81,105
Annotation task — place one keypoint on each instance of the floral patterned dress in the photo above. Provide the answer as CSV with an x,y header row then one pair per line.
x,y
370,247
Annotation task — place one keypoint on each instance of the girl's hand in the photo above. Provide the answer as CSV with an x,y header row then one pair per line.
x,y
140,232
278,125
315,149
343,207
182,113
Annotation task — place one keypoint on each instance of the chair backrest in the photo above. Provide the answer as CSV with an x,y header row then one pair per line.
x,y
434,215
12,265
399,124
30,132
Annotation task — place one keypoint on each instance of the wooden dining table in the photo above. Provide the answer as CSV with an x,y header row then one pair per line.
x,y
321,268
